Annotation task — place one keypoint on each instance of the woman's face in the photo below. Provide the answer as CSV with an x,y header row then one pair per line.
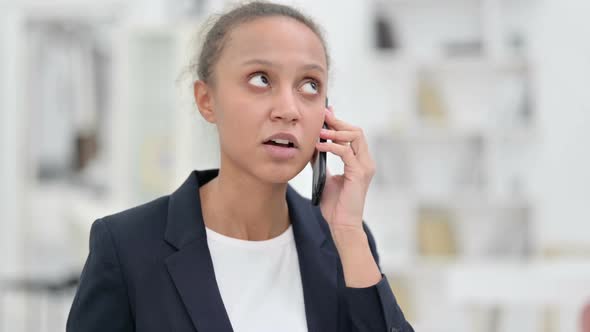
x,y
270,78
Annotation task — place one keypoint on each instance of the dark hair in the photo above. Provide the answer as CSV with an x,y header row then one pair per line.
x,y
202,64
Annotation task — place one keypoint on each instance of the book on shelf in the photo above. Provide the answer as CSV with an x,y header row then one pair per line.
x,y
435,233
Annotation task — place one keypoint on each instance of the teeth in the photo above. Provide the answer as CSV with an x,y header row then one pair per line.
x,y
281,141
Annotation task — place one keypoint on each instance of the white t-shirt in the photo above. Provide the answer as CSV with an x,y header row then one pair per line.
x,y
259,282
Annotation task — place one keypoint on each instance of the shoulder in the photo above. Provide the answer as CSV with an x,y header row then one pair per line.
x,y
142,223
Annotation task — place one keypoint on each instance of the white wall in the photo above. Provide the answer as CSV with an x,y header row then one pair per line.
x,y
561,178
11,126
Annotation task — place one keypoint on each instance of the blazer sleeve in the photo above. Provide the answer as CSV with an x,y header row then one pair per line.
x,y
101,302
375,308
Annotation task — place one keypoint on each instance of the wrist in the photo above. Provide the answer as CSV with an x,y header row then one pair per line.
x,y
349,238
358,263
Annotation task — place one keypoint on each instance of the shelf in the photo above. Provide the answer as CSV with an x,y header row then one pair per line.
x,y
499,282
393,263
439,134
564,281
473,202
446,2
507,266
476,65
103,11
455,201
429,5
451,64
430,2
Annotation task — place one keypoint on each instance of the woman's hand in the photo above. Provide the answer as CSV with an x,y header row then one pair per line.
x,y
343,199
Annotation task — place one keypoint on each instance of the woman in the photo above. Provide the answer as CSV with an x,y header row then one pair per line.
x,y
236,248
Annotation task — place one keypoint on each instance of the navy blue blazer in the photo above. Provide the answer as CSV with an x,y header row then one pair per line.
x,y
149,269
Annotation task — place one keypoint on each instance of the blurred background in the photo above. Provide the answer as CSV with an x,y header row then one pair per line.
x,y
475,111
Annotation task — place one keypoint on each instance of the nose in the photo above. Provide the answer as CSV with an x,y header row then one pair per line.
x,y
285,107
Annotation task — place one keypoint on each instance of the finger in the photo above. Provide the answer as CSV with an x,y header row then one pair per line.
x,y
335,123
356,139
344,152
358,143
339,136
341,143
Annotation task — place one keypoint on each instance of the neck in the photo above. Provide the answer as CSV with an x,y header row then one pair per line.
x,y
239,205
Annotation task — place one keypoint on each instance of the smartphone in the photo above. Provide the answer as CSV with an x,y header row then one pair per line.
x,y
319,171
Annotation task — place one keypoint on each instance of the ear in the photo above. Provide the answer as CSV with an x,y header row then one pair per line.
x,y
203,98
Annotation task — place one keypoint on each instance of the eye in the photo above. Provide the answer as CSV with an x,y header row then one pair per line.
x,y
259,80
311,87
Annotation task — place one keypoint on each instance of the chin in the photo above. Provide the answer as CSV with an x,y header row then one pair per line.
x,y
278,173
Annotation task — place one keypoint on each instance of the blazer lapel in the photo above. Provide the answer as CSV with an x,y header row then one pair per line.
x,y
191,267
317,263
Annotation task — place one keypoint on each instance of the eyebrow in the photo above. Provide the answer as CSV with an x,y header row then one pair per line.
x,y
310,66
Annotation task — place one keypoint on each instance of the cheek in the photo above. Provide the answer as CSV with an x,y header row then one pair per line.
x,y
239,125
312,129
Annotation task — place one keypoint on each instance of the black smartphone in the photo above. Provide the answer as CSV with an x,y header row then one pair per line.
x,y
319,171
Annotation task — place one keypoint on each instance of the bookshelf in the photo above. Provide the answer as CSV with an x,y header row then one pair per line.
x,y
452,188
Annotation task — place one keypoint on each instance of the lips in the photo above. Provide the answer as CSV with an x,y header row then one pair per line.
x,y
282,139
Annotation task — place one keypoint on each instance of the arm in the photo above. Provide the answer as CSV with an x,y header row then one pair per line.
x,y
371,302
101,302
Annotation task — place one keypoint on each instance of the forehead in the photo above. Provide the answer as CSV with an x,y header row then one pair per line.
x,y
274,38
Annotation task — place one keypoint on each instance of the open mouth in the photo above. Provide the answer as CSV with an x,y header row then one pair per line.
x,y
281,149
281,143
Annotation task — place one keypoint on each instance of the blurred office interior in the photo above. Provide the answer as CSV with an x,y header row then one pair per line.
x,y
475,110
